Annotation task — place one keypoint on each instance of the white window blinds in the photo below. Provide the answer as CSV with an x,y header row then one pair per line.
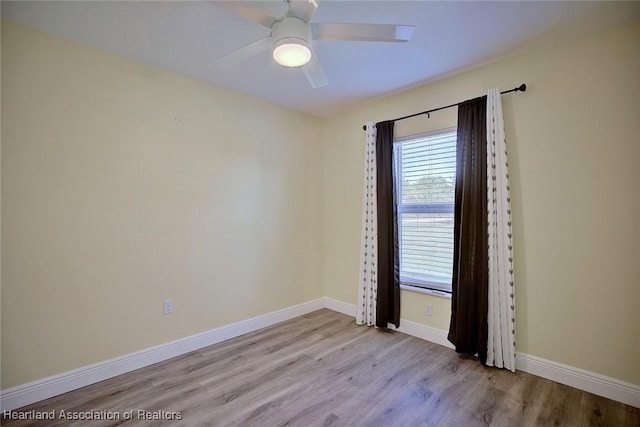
x,y
425,168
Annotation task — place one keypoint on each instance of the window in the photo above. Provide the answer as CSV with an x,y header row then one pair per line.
x,y
425,174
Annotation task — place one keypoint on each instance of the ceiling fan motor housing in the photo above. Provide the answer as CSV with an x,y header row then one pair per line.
x,y
291,30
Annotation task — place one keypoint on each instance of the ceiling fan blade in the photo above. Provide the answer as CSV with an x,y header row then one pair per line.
x,y
243,53
245,11
362,32
304,9
314,72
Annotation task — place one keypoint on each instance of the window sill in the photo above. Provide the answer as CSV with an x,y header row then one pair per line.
x,y
419,290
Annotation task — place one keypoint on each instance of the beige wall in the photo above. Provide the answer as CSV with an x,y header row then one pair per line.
x,y
574,150
123,185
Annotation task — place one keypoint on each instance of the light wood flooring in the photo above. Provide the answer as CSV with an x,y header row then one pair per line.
x,y
323,370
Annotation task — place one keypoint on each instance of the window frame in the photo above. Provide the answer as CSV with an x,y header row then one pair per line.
x,y
437,207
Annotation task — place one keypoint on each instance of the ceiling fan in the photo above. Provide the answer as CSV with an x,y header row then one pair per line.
x,y
292,34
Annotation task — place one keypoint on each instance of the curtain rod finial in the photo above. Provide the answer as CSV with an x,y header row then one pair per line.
x,y
522,87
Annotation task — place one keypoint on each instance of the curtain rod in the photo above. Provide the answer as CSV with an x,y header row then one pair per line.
x,y
521,88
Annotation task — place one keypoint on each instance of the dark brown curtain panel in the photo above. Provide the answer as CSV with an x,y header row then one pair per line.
x,y
388,294
469,301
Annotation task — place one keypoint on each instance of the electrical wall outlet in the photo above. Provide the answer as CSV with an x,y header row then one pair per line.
x,y
428,309
167,306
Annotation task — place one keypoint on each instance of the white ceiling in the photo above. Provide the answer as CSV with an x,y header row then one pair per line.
x,y
189,36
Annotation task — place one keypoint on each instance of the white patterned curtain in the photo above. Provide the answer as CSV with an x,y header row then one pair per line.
x,y
501,311
367,289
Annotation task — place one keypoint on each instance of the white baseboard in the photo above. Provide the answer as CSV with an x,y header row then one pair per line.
x,y
437,336
26,394
608,387
601,385
427,333
340,307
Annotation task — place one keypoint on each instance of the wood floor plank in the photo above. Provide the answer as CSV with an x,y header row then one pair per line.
x,y
561,406
523,401
321,369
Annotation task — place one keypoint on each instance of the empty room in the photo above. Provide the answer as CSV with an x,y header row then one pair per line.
x,y
320,213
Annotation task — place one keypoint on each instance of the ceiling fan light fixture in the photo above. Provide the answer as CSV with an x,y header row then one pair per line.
x,y
291,52
291,37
